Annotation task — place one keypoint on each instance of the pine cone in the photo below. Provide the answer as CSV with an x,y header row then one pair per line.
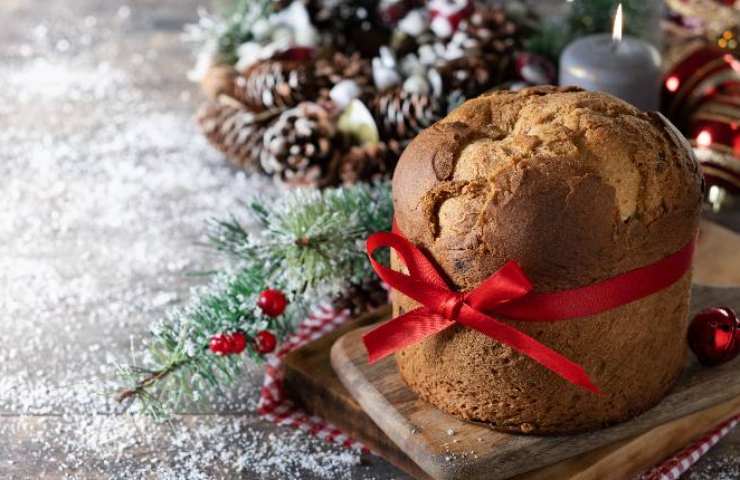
x,y
301,145
362,297
330,71
491,30
473,75
275,84
400,115
366,163
234,131
352,25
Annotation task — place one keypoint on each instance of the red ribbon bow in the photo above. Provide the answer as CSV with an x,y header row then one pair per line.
x,y
506,292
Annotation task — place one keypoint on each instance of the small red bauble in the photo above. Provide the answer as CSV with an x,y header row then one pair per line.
x,y
237,342
713,335
220,344
228,343
265,342
272,302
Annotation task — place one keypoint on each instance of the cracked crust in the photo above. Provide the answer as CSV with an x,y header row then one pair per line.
x,y
577,187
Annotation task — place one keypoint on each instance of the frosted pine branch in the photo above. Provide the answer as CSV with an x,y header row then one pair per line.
x,y
307,243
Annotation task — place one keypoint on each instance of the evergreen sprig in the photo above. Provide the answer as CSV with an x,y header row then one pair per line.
x,y
239,18
307,243
311,242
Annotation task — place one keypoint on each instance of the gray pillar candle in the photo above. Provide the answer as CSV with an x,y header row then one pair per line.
x,y
628,68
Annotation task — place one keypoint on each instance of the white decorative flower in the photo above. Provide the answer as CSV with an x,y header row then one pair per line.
x,y
344,92
414,23
416,84
383,75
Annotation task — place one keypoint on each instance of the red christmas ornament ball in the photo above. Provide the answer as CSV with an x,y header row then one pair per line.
x,y
272,302
713,335
265,342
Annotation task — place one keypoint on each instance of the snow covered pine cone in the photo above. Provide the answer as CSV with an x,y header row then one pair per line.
x,y
491,29
366,163
234,131
273,84
400,114
492,37
300,147
339,67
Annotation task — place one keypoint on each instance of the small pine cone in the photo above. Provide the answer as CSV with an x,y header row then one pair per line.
x,y
400,115
234,131
300,146
491,29
338,67
366,163
275,84
473,75
360,298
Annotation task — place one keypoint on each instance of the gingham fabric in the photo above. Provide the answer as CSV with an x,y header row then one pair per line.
x,y
674,467
277,408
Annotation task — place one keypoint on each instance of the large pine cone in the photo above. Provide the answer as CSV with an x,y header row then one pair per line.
x,y
234,131
301,146
273,84
400,115
367,163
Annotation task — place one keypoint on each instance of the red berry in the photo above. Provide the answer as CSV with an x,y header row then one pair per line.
x,y
272,302
228,343
265,342
713,335
220,344
237,342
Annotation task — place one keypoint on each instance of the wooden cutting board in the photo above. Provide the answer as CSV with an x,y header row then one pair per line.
x,y
310,380
448,448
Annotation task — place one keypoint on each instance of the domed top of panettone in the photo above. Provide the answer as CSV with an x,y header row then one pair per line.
x,y
576,186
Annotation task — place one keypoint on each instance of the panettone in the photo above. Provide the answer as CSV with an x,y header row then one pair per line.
x,y
577,187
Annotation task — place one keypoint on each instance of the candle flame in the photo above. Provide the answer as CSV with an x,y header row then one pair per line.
x,y
617,29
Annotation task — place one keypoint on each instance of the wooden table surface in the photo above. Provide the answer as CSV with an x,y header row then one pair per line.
x,y
105,186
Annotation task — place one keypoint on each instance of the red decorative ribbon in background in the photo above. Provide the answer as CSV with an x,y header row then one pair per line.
x,y
507,293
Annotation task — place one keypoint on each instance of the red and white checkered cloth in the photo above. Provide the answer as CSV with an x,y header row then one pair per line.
x,y
277,408
274,404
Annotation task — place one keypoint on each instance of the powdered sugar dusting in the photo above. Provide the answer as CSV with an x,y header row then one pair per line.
x,y
106,185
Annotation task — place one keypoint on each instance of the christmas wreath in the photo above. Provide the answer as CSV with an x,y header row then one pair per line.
x,y
326,92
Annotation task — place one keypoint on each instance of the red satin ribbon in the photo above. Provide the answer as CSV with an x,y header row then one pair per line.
x,y
508,293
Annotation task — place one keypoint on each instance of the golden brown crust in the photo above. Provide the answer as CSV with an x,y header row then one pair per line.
x,y
577,187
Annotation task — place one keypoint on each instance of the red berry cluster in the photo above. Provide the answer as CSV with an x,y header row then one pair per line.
x,y
272,303
236,342
228,343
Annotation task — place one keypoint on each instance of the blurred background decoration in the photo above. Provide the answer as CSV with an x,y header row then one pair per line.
x,y
329,92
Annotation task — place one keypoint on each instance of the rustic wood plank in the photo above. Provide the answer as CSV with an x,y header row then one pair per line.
x,y
628,458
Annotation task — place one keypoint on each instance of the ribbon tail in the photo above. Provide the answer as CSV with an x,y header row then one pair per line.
x,y
401,332
528,346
